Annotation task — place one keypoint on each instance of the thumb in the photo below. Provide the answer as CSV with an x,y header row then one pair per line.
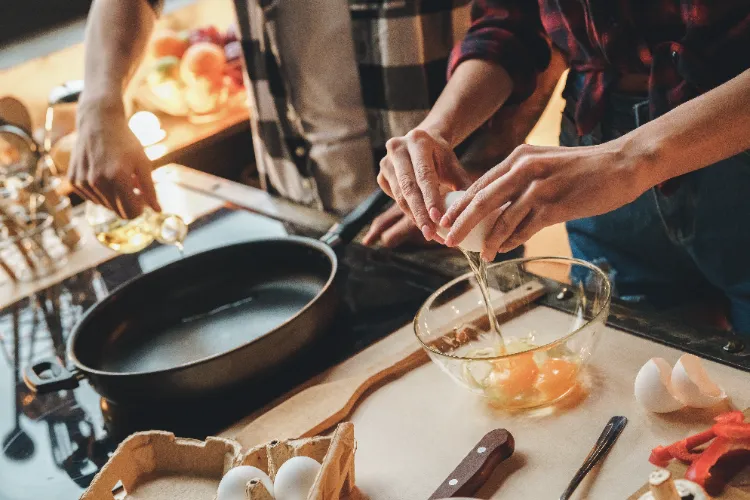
x,y
455,175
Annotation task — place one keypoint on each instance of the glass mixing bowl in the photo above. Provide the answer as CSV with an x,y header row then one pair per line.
x,y
549,311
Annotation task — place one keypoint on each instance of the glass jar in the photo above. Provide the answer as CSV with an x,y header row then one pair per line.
x,y
130,236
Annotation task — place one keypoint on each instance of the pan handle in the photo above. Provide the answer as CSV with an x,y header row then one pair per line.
x,y
350,226
49,375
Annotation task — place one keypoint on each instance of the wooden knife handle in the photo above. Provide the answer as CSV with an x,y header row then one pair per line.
x,y
476,468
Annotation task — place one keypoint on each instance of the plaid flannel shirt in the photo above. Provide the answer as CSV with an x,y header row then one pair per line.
x,y
401,50
686,46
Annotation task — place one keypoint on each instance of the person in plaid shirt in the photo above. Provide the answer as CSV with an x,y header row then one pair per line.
x,y
329,83
657,187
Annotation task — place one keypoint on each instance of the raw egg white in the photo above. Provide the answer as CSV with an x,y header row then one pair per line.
x,y
474,240
295,478
692,384
653,387
234,482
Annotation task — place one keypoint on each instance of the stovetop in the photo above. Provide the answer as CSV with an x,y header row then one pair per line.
x,y
53,445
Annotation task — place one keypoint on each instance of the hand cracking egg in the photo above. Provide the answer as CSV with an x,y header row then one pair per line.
x,y
234,482
663,390
475,239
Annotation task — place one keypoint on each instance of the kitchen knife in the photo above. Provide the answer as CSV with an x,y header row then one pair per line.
x,y
476,468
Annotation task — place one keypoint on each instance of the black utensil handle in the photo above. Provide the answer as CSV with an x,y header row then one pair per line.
x,y
478,465
606,440
350,226
49,375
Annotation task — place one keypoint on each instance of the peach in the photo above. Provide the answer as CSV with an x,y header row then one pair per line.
x,y
168,43
202,60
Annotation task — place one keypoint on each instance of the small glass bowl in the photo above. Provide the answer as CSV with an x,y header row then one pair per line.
x,y
549,311
33,252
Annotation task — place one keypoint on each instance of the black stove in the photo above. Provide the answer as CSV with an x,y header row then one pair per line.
x,y
53,445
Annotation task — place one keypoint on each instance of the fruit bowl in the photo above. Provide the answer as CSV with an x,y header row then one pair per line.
x,y
549,312
195,73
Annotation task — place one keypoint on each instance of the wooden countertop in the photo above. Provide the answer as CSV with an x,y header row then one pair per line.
x,y
185,137
412,431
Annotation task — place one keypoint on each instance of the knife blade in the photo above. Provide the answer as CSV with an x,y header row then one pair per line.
x,y
477,466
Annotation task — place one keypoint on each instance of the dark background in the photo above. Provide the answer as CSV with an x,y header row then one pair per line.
x,y
22,18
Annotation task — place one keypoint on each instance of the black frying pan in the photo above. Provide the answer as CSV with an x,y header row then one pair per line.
x,y
209,321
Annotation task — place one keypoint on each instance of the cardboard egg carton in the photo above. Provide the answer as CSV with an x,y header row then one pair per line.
x,y
335,453
156,465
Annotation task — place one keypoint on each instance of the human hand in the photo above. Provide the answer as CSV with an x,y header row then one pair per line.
x,y
542,186
394,228
413,172
108,164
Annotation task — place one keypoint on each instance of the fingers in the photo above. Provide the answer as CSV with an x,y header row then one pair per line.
x,y
398,233
506,225
398,153
129,204
455,175
145,184
452,214
422,158
479,205
381,224
79,181
531,225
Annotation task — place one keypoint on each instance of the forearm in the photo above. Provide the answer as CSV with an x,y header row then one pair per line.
x,y
474,93
116,37
699,133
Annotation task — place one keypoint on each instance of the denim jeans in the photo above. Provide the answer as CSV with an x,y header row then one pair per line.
x,y
675,248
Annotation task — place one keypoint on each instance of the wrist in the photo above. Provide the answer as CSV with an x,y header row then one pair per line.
x,y
107,102
638,159
438,129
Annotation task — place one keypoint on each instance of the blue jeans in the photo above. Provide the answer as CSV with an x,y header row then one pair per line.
x,y
676,248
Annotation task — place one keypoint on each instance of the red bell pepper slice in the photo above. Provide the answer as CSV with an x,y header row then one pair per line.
x,y
730,433
700,470
733,431
732,417
681,450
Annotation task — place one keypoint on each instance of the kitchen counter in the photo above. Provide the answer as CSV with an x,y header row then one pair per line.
x,y
72,433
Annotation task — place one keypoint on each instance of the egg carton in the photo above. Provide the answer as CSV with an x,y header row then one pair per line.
x,y
156,465
336,454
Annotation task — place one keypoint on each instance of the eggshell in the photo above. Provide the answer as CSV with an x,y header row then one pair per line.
x,y
295,478
653,388
692,384
474,240
234,482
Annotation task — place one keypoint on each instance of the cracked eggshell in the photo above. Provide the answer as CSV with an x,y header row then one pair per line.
x,y
653,388
474,240
692,384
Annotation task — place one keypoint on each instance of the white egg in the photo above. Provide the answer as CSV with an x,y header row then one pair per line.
x,y
692,384
295,478
234,482
475,239
653,388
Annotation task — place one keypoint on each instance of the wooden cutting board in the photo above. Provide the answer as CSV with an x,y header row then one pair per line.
x,y
678,471
739,487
